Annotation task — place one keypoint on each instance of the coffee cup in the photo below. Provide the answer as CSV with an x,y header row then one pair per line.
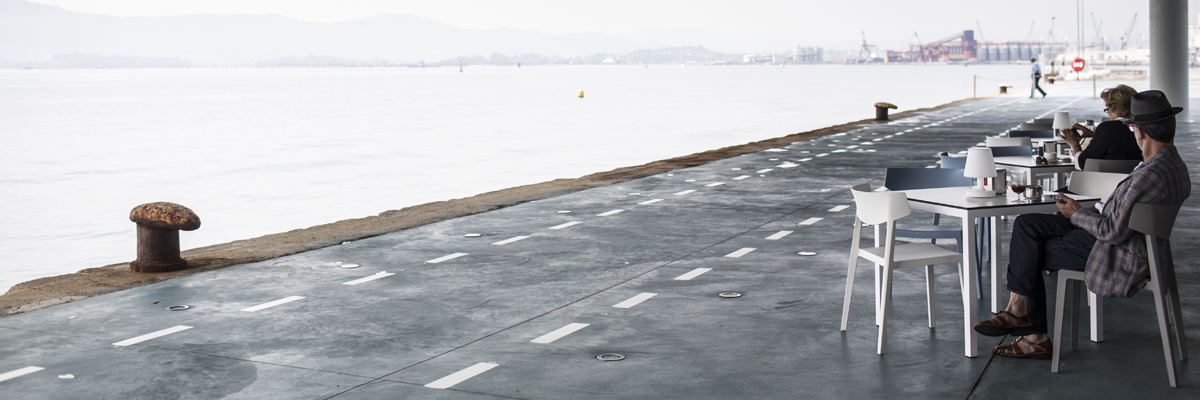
x,y
1051,157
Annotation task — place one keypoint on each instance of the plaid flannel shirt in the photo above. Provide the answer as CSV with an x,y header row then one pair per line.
x,y
1118,261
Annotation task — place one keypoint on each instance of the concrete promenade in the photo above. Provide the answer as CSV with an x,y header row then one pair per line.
x,y
523,309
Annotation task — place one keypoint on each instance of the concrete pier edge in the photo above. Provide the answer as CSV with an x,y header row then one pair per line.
x,y
49,291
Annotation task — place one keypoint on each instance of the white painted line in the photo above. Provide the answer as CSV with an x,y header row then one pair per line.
x,y
715,184
822,154
878,140
838,208
435,261
775,150
635,300
267,305
790,164
765,170
811,221
566,225
741,252
384,274
23,371
852,147
779,235
559,333
685,192
149,336
900,133
741,177
805,159
458,377
840,151
695,272
510,240
649,202
613,212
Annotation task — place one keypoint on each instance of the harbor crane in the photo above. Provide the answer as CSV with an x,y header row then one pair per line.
x,y
1099,37
870,49
1128,32
978,30
1029,37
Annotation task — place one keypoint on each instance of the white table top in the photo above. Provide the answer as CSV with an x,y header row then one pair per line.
x,y
956,197
1027,162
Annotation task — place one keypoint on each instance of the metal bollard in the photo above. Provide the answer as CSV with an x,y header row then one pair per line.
x,y
158,226
881,110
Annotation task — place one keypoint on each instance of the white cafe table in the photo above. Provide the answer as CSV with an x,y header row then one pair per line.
x,y
953,201
1058,169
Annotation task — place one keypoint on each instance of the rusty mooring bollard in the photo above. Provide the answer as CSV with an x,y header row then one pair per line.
x,y
158,226
881,110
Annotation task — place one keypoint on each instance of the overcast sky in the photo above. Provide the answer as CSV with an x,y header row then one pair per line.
x,y
887,23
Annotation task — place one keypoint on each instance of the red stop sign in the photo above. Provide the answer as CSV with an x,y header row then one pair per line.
x,y
1077,64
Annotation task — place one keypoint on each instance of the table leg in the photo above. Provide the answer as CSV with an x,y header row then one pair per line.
x,y
967,284
995,242
878,281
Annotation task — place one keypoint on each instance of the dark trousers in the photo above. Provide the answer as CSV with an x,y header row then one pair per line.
x,y
1043,242
1036,86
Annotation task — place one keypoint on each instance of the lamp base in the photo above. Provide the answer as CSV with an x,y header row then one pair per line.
x,y
976,191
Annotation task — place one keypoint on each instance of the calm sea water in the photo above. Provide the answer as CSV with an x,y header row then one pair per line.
x,y
260,151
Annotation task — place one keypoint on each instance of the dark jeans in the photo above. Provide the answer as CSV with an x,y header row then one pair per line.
x,y
1036,87
1043,242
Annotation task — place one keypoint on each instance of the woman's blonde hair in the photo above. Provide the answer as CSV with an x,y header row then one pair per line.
x,y
1118,99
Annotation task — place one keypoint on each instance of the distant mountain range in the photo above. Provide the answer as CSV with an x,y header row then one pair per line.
x,y
39,35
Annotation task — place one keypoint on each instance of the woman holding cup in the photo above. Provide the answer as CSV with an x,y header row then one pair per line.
x,y
1111,140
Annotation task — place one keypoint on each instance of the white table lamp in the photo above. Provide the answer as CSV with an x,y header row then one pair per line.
x,y
1062,120
980,165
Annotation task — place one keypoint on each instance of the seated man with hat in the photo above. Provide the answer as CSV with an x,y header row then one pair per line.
x,y
1096,240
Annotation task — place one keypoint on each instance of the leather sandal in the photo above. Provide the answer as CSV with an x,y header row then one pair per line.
x,y
1000,325
1043,349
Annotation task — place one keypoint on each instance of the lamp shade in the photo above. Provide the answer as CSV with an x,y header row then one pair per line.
x,y
980,163
1062,120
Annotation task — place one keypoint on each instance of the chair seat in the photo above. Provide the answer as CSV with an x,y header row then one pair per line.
x,y
913,255
927,231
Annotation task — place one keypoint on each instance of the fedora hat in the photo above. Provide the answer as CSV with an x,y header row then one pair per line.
x,y
1151,106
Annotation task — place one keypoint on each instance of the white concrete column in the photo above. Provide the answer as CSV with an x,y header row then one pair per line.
x,y
1168,49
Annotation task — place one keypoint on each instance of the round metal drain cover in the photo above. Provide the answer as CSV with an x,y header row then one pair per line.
x,y
473,235
807,253
349,265
177,308
729,295
610,357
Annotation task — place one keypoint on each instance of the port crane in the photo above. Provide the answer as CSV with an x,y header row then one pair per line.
x,y
1128,32
870,49
1099,37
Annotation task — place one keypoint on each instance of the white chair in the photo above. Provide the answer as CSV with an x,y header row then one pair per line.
x,y
1102,165
1095,184
884,208
996,141
1155,222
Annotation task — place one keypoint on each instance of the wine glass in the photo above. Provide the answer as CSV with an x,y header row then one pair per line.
x,y
1017,181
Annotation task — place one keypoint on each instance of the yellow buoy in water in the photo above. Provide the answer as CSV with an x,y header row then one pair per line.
x,y
581,93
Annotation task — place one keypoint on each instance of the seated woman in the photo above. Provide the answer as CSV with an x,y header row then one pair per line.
x,y
1112,140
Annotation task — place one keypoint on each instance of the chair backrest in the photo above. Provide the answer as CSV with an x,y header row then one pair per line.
x,y
953,162
924,178
1037,134
1095,184
862,187
995,141
876,208
1102,165
1025,126
1155,220
1046,121
1012,151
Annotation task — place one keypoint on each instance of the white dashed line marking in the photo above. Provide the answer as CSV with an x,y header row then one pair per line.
x,y
19,372
566,225
741,177
559,333
685,192
153,335
840,151
838,208
805,159
765,170
510,240
822,154
458,377
694,273
649,202
270,304
384,274
608,213
715,184
779,235
811,221
741,252
446,258
635,300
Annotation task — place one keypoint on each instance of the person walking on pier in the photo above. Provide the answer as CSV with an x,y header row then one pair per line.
x,y
1036,73
1096,240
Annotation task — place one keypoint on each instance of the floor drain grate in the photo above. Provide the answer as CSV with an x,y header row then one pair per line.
x,y
177,308
729,295
610,357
